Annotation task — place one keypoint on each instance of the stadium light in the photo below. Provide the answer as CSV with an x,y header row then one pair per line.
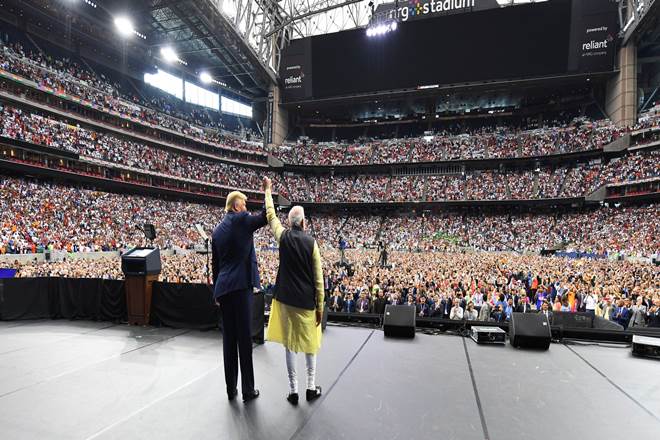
x,y
170,56
381,28
205,78
124,26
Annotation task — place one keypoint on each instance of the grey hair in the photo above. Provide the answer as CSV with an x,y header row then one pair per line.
x,y
296,216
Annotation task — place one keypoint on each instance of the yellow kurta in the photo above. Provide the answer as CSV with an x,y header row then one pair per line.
x,y
293,327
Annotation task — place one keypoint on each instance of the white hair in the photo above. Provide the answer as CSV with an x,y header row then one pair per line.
x,y
296,216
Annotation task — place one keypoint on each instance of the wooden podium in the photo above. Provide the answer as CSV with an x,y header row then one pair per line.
x,y
138,297
141,267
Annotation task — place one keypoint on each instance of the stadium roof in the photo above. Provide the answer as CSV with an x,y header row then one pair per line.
x,y
202,36
317,17
237,42
195,30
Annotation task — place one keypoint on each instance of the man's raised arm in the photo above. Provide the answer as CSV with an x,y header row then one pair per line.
x,y
271,216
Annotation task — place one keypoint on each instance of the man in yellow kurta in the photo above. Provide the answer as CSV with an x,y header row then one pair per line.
x,y
297,307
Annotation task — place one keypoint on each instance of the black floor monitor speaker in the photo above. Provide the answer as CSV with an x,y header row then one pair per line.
x,y
606,324
647,346
529,330
399,321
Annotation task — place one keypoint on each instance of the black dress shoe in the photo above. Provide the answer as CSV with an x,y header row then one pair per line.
x,y
231,395
313,394
251,396
293,398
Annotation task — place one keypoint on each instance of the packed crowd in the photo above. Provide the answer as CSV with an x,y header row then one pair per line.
x,y
499,142
649,119
546,182
603,231
443,263
562,182
633,167
152,107
36,216
179,268
575,181
473,286
490,287
16,123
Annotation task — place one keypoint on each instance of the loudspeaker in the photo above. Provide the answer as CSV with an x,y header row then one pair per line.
x,y
529,330
606,324
399,321
572,320
646,346
324,320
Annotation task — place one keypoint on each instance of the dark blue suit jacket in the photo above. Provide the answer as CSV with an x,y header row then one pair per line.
x,y
621,315
234,257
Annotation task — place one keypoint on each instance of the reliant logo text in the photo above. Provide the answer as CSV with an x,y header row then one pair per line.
x,y
595,45
293,80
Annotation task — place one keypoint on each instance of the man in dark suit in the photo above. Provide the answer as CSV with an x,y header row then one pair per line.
x,y
653,315
523,306
621,314
363,305
335,302
437,311
235,275
498,314
379,303
447,304
423,310
349,303
545,310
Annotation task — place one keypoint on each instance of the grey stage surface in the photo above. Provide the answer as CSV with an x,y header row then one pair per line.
x,y
85,380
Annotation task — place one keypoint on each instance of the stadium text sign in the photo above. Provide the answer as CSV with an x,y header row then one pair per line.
x,y
294,77
296,69
419,8
599,45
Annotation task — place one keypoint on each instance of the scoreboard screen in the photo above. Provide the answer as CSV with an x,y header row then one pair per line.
x,y
557,37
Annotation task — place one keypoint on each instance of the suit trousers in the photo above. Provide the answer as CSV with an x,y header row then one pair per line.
x,y
236,311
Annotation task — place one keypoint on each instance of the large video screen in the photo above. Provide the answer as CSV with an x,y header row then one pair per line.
x,y
534,40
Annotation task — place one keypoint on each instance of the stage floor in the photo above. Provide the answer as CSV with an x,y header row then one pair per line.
x,y
89,380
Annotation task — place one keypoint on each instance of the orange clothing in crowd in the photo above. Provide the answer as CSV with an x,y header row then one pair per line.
x,y
571,300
